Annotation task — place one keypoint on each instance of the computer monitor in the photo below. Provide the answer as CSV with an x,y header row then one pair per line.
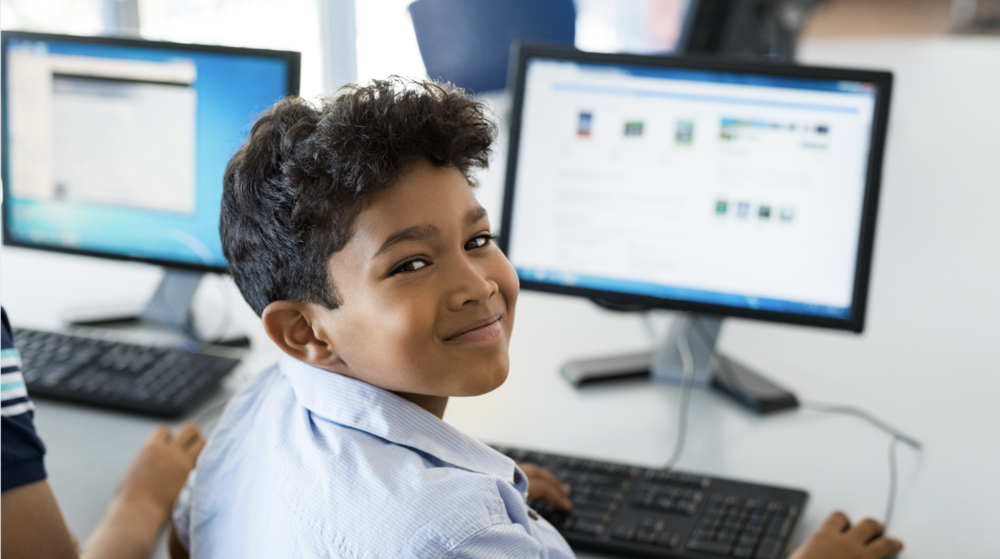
x,y
116,147
719,188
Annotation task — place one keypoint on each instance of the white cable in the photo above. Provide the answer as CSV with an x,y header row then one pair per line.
x,y
893,480
897,437
687,361
858,412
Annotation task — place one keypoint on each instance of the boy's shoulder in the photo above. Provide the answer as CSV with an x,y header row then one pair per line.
x,y
311,461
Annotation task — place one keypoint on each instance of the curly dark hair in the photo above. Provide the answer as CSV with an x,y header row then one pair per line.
x,y
293,190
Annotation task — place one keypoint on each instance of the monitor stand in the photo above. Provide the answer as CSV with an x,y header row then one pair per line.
x,y
702,332
168,308
664,364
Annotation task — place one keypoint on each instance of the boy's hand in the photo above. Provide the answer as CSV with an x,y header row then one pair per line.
x,y
542,484
837,539
160,470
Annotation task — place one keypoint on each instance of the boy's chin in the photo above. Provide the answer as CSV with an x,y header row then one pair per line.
x,y
487,384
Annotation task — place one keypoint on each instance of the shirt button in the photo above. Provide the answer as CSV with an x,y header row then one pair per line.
x,y
533,514
517,477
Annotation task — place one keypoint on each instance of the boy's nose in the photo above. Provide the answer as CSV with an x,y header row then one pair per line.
x,y
471,286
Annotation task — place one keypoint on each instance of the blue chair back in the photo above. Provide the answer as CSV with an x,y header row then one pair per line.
x,y
467,42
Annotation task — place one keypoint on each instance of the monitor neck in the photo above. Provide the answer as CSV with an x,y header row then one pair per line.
x,y
171,302
701,332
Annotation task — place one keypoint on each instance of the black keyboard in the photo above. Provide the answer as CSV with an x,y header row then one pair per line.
x,y
151,380
633,511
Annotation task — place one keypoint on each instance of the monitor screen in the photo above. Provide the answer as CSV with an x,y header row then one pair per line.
x,y
692,185
118,147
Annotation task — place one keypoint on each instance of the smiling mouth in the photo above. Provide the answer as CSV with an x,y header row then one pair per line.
x,y
480,331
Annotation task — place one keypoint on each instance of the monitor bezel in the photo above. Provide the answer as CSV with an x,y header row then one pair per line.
x,y
522,54
291,58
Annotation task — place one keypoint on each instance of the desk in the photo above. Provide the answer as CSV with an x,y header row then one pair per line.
x,y
925,362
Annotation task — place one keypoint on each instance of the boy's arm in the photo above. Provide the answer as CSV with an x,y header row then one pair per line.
x,y
837,539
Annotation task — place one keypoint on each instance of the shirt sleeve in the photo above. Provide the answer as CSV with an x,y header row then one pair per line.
x,y
496,542
21,450
182,513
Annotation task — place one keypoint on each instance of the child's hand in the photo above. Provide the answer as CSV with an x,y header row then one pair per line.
x,y
158,474
837,539
542,484
146,494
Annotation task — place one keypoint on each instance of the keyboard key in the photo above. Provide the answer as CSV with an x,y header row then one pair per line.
x,y
647,535
669,540
775,525
726,536
585,526
718,548
768,549
623,532
596,514
606,493
747,540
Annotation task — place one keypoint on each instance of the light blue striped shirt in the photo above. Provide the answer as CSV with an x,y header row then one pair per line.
x,y
308,463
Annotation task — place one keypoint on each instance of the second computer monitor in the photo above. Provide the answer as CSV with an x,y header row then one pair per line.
x,y
116,147
724,188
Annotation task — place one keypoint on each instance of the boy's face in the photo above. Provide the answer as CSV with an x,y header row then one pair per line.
x,y
427,297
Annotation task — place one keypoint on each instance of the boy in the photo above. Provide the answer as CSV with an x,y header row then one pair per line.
x,y
352,230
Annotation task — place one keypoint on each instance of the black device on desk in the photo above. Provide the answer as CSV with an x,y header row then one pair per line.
x,y
151,380
116,148
716,188
651,512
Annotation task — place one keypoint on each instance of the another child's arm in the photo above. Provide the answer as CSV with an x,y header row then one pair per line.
x,y
146,495
33,525
838,539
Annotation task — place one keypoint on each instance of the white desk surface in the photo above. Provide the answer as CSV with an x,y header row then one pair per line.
x,y
925,363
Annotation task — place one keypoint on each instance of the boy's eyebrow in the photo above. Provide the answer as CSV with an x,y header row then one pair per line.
x,y
418,232
475,214
414,233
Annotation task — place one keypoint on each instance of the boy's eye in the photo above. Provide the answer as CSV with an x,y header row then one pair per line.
x,y
479,242
410,266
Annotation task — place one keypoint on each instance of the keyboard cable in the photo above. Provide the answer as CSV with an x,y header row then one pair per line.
x,y
897,436
687,361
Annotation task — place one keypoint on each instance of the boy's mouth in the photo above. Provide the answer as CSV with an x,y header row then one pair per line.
x,y
478,331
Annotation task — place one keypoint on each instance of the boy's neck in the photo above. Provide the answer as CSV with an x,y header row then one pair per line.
x,y
433,404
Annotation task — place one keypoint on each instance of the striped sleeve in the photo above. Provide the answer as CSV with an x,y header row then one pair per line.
x,y
21,451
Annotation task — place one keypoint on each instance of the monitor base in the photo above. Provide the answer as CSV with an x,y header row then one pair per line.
x,y
663,364
169,307
737,381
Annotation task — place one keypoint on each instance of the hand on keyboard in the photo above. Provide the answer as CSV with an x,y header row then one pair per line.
x,y
542,484
838,539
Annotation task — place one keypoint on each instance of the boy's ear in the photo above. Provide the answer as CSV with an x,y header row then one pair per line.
x,y
292,325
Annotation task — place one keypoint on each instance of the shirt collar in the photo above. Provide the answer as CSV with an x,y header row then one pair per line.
x,y
359,405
